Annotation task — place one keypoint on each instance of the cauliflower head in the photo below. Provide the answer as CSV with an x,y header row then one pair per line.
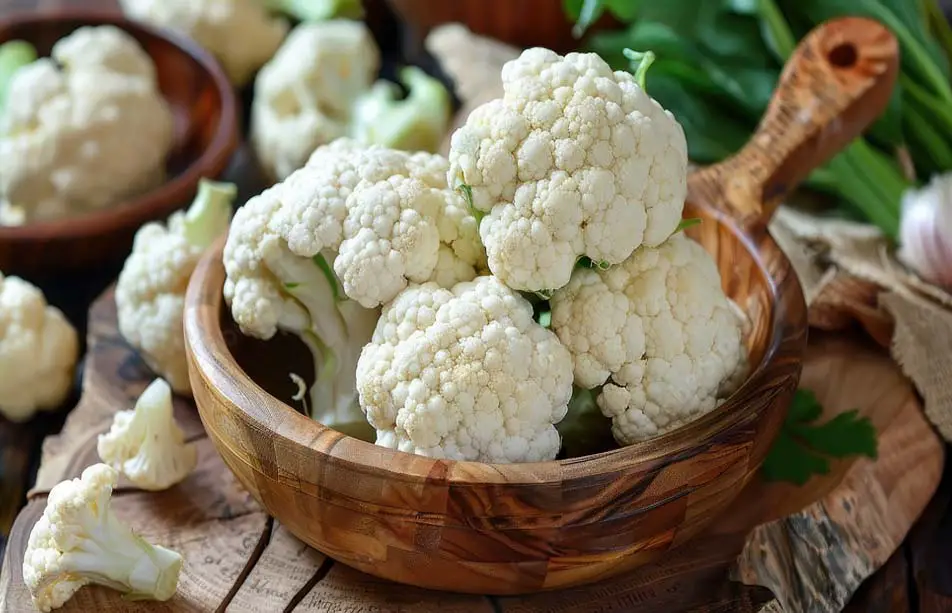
x,y
150,292
657,332
79,541
304,95
465,374
574,160
318,253
146,444
65,143
241,34
39,349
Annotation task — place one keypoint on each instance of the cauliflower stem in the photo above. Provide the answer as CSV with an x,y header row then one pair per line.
x,y
317,10
329,330
209,214
14,55
415,123
79,540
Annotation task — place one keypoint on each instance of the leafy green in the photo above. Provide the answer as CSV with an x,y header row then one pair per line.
x,y
717,64
687,223
804,448
641,61
14,54
328,273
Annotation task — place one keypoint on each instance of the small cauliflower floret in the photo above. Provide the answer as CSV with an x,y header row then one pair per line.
x,y
65,143
150,292
658,332
574,160
305,93
465,374
79,541
146,444
38,351
317,88
417,122
241,34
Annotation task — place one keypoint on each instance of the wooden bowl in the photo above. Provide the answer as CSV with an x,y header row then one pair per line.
x,y
203,105
521,23
516,528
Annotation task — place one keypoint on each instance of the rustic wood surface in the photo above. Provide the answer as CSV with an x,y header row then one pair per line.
x,y
240,559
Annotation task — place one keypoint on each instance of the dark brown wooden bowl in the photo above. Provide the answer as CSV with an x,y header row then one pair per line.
x,y
515,528
203,105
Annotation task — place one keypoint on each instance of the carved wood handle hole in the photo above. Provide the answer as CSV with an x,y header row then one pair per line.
x,y
844,55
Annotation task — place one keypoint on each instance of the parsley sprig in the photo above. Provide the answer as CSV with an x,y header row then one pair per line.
x,y
804,448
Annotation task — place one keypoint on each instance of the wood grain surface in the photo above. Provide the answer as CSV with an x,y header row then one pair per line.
x,y
240,559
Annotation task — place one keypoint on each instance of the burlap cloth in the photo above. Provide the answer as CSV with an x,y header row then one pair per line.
x,y
851,277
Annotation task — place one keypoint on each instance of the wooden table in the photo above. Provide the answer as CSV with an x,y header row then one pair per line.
x,y
918,577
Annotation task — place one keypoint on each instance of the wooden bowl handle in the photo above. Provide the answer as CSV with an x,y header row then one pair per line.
x,y
834,86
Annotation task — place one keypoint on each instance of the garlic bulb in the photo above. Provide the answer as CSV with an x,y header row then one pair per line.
x,y
925,231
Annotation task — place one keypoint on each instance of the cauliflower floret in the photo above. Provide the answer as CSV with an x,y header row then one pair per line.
x,y
146,444
658,332
385,213
79,541
465,374
38,351
241,34
317,254
150,292
64,132
573,160
305,93
320,86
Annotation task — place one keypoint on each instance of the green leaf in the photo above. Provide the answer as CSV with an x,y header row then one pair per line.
x,y
887,130
330,276
588,13
712,132
803,448
585,429
687,223
466,192
641,61
291,285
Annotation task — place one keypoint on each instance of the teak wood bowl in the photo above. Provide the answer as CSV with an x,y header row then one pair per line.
x,y
516,528
206,134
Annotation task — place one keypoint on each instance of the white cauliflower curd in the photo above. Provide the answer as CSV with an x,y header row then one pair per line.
x,y
146,444
320,86
305,93
150,292
574,160
465,374
317,254
657,332
39,349
79,541
241,34
66,127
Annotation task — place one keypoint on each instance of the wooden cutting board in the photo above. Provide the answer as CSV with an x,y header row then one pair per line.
x,y
811,546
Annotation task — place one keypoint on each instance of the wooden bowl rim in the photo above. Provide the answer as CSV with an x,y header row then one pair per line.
x,y
213,360
162,200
